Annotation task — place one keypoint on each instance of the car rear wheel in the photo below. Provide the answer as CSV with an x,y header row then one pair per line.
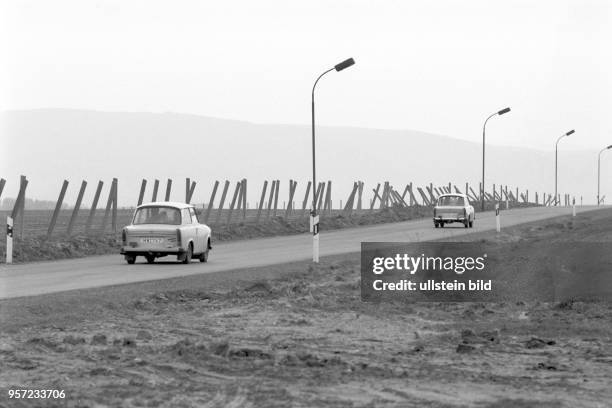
x,y
204,256
436,225
442,225
188,255
150,259
130,259
472,224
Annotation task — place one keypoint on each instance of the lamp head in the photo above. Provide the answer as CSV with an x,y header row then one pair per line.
x,y
570,132
344,64
609,147
501,112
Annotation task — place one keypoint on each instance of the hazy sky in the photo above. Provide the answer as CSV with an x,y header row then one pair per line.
x,y
436,66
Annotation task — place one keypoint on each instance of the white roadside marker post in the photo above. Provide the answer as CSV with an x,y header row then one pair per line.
x,y
314,228
497,222
9,240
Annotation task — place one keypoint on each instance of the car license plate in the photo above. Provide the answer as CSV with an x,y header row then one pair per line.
x,y
151,240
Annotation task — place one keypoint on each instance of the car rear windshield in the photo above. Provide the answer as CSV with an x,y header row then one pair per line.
x,y
158,215
451,201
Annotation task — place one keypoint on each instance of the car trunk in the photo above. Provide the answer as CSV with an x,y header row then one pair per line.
x,y
152,237
450,212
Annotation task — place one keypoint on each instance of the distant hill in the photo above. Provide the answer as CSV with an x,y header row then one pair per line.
x,y
50,145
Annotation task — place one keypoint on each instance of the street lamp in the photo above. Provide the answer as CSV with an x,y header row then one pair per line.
x,y
599,167
482,200
314,221
556,152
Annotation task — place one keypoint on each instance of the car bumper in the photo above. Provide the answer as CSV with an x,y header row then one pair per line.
x,y
449,219
152,251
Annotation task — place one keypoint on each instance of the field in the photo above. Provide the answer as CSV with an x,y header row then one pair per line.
x,y
31,243
298,335
36,222
35,246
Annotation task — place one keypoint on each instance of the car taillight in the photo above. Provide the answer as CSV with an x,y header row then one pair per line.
x,y
124,236
464,213
178,237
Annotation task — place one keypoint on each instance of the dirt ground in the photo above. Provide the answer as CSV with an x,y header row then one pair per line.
x,y
298,335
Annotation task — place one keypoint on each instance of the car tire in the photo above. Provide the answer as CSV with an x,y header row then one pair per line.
x,y
466,223
204,256
472,224
130,259
150,259
188,255
436,225
441,225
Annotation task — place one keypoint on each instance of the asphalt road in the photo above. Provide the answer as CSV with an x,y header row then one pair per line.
x,y
56,276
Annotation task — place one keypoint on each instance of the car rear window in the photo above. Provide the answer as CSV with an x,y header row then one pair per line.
x,y
157,215
451,201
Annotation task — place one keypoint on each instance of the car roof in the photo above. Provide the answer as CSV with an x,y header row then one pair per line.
x,y
453,195
166,204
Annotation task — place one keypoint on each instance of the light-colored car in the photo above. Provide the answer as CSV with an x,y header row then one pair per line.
x,y
166,228
453,208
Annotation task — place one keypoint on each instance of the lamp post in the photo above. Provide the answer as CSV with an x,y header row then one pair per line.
x,y
482,197
599,168
314,220
556,161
